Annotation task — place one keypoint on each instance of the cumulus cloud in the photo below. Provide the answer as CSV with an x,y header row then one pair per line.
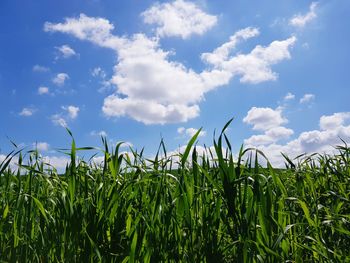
x,y
96,30
334,121
272,135
289,96
38,68
254,67
179,18
60,79
27,112
264,118
333,127
269,121
152,88
72,111
43,90
190,132
301,20
66,51
307,98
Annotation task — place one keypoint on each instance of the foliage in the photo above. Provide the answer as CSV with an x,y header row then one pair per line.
x,y
208,208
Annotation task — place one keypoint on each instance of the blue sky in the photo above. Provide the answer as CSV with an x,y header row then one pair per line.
x,y
137,71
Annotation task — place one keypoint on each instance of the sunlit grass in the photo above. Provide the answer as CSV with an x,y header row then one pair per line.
x,y
209,208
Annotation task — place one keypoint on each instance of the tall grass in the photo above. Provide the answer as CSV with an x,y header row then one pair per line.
x,y
200,208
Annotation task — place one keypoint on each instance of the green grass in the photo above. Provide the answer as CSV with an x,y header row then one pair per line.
x,y
131,209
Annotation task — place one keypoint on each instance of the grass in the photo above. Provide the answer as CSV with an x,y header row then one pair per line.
x,y
196,209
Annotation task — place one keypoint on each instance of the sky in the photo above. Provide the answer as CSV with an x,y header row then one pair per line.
x,y
139,71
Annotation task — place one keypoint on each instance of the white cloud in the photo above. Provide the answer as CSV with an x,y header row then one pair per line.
x,y
41,146
57,119
254,67
43,90
66,51
179,18
289,96
222,53
98,133
153,89
60,79
181,130
26,112
72,111
58,162
98,72
96,30
334,121
333,127
190,132
301,20
13,163
38,68
307,98
264,118
148,112
61,119
270,136
98,160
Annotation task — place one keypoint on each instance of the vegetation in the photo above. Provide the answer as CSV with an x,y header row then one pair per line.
x,y
208,208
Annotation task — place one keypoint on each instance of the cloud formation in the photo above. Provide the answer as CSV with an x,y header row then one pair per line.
x,y
190,132
70,113
41,146
307,98
154,89
43,90
301,20
269,121
289,96
60,79
66,51
178,18
38,68
27,112
264,118
332,128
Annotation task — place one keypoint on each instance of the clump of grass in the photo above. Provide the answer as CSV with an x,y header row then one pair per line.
x,y
201,208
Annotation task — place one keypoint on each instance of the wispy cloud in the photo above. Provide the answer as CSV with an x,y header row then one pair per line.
x,y
38,68
43,90
301,20
28,111
65,51
289,96
70,113
60,79
307,98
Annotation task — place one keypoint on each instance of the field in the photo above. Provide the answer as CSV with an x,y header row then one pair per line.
x,y
193,208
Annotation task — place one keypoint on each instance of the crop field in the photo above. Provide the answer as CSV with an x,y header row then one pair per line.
x,y
193,208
